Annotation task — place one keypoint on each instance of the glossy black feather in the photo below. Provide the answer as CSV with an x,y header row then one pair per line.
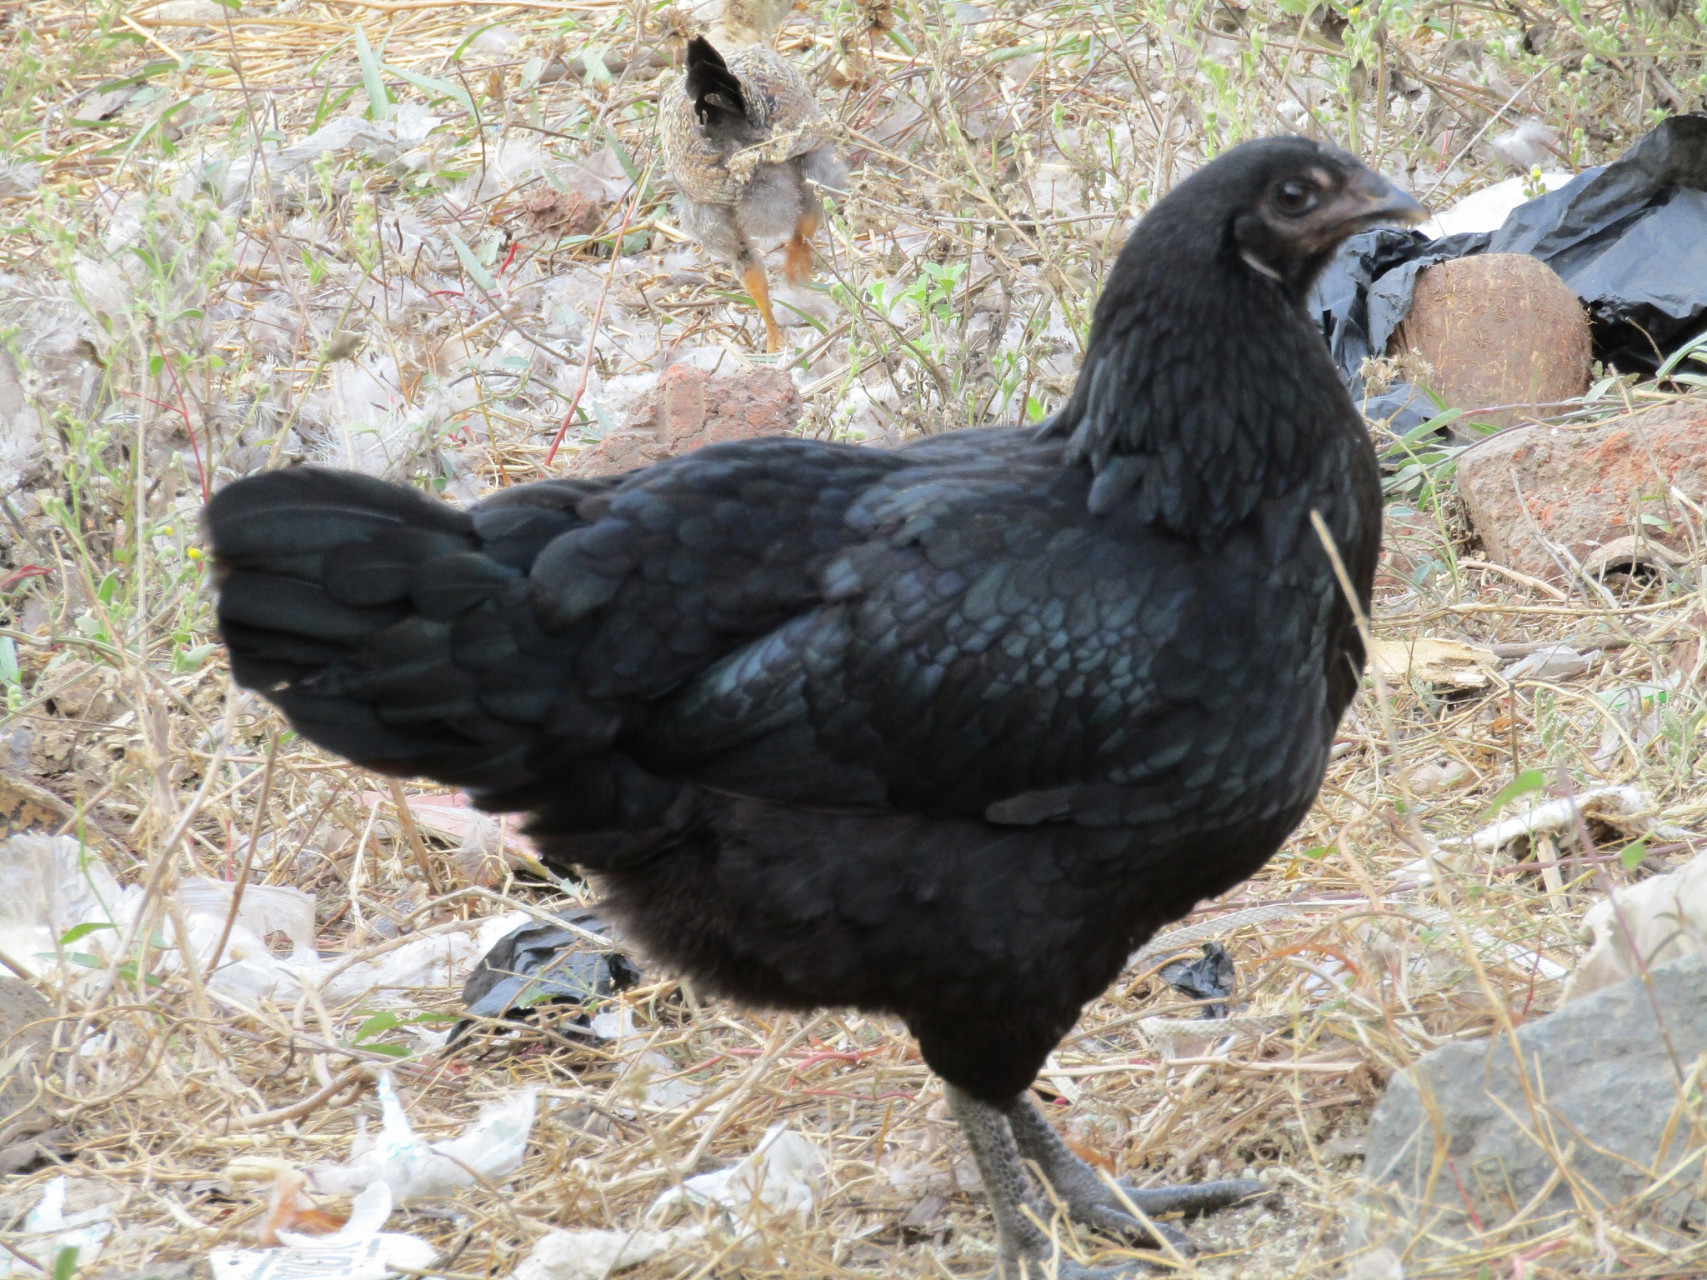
x,y
945,730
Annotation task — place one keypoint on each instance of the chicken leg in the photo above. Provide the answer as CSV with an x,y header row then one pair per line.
x,y
758,286
1000,1137
797,262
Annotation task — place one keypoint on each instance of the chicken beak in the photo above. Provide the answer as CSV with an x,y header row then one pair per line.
x,y
1371,200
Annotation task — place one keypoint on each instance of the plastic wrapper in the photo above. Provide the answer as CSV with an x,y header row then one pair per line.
x,y
541,963
359,1251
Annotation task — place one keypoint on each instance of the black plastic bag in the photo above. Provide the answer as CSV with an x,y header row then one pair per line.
x,y
1210,978
540,963
1629,238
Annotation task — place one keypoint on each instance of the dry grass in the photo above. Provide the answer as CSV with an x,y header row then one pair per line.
x,y
183,312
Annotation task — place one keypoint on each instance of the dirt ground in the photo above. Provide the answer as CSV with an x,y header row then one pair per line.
x,y
433,241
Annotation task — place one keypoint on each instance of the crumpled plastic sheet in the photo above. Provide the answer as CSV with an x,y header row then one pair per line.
x,y
1629,238
1642,925
542,963
779,1179
490,1149
50,886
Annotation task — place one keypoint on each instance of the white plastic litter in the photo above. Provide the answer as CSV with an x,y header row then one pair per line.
x,y
52,886
1487,209
48,886
589,1253
360,1250
488,1150
1664,917
780,1177
432,960
49,1231
660,1087
265,909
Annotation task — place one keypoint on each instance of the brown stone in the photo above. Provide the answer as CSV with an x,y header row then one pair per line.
x,y
689,409
1498,329
26,1035
1583,487
566,213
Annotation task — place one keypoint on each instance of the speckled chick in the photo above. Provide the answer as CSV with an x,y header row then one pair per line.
x,y
737,138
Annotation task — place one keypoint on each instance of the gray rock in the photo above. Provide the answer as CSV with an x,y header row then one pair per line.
x,y
1467,1136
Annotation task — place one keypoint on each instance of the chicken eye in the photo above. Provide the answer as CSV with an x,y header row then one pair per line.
x,y
1294,197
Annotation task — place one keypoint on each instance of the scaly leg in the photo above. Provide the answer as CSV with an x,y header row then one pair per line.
x,y
1024,1249
797,264
753,276
1091,1201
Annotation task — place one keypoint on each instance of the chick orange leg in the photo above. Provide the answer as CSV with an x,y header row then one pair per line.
x,y
753,276
797,265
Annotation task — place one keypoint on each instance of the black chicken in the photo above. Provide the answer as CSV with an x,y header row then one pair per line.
x,y
943,731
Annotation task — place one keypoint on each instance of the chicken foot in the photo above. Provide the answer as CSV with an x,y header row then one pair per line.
x,y
1024,1248
1093,1202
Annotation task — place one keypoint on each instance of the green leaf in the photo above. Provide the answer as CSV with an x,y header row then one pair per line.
x,y
471,264
1317,853
379,1023
389,1050
128,973
379,102
65,1263
1686,351
1525,782
1426,430
432,84
192,659
1631,855
431,1020
80,931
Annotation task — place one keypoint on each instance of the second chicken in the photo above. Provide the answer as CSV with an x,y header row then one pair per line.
x,y
739,137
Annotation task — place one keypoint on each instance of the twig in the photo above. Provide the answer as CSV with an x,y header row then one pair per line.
x,y
406,818
313,1102
248,859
